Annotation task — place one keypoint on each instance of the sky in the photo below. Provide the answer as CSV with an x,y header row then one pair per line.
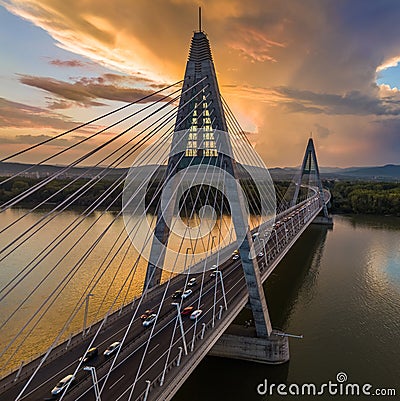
x,y
286,68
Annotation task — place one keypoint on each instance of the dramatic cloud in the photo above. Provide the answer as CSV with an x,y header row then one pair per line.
x,y
68,63
35,139
18,115
254,45
285,67
322,132
58,104
353,102
85,90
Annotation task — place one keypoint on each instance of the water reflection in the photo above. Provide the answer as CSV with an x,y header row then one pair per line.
x,y
341,290
58,278
45,280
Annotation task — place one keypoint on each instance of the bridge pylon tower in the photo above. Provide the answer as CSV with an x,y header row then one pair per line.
x,y
309,167
207,119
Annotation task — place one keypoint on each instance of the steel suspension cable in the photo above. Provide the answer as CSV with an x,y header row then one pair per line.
x,y
39,185
90,122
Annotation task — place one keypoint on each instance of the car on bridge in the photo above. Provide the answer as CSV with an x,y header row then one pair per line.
x,y
186,294
187,311
214,269
150,320
192,282
194,315
91,354
214,273
112,348
146,314
62,384
177,294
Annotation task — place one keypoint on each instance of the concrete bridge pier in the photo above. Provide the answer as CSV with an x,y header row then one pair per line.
x,y
323,220
240,342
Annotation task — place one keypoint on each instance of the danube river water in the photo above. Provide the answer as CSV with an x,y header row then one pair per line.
x,y
340,289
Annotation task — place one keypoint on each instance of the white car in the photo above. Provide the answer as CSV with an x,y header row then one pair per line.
x,y
150,320
213,269
186,293
194,315
62,384
192,282
112,348
261,254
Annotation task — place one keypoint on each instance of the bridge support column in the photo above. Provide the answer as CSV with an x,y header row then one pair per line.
x,y
308,167
323,220
242,343
250,266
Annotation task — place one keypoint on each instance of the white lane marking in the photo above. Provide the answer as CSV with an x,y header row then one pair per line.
x,y
112,385
153,348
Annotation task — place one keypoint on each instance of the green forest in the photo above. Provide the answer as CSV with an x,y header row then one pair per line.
x,y
379,198
59,190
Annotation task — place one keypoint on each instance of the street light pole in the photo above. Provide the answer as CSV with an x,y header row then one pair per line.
x,y
86,313
219,272
181,326
186,255
146,394
264,251
92,370
212,242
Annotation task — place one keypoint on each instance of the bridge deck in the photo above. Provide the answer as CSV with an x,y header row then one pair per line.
x,y
161,353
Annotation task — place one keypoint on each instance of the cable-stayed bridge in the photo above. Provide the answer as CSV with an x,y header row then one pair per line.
x,y
170,252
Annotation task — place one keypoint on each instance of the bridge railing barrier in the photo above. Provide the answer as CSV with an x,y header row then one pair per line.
x,y
75,339
156,382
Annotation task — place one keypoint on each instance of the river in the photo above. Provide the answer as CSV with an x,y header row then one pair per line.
x,y
338,288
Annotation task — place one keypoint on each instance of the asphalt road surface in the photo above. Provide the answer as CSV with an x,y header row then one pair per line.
x,y
146,351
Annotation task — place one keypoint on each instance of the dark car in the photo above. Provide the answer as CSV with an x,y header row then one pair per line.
x,y
91,354
177,294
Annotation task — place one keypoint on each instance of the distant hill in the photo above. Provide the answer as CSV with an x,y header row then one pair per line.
x,y
45,170
389,172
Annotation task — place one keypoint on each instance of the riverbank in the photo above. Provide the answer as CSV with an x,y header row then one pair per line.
x,y
374,198
348,197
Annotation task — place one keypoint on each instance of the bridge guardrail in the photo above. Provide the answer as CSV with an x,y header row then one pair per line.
x,y
76,339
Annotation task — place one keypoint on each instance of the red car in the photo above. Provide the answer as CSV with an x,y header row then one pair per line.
x,y
187,311
146,314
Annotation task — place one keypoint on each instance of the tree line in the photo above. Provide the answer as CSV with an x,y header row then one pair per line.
x,y
59,190
381,198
